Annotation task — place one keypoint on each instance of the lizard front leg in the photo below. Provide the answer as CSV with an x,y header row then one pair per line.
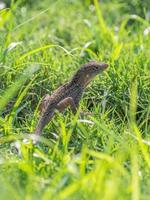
x,y
68,101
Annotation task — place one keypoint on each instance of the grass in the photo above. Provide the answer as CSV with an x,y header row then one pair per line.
x,y
103,156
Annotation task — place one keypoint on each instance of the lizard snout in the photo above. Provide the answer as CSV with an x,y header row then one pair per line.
x,y
104,66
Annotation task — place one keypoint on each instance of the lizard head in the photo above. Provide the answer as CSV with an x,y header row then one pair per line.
x,y
93,68
88,71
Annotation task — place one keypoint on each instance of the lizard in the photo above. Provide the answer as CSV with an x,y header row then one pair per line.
x,y
69,94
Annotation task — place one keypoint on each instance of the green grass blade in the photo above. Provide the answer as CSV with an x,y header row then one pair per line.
x,y
12,91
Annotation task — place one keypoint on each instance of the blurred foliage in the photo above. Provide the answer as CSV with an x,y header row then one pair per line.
x,y
103,156
138,7
19,2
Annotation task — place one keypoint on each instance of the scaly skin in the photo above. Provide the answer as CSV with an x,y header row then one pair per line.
x,y
68,94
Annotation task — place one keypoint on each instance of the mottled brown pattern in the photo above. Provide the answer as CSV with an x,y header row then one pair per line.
x,y
68,94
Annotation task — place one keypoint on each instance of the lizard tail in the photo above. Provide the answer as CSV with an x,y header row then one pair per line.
x,y
44,120
44,103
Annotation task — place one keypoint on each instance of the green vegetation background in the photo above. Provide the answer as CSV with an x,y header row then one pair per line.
x,y
105,156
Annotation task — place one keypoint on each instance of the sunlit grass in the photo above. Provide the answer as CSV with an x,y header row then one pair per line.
x,y
103,156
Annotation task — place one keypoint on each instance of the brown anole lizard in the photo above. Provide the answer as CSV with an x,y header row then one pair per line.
x,y
68,94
